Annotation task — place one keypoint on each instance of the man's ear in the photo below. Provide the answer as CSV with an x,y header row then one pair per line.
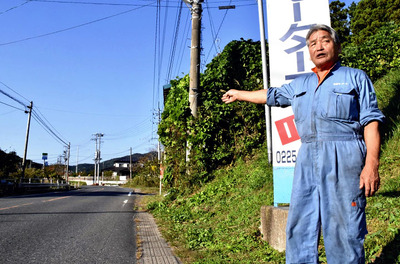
x,y
340,48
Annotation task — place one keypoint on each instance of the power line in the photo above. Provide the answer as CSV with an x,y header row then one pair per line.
x,y
156,33
14,91
13,98
12,106
218,3
15,7
87,3
36,114
173,44
47,128
74,27
185,38
49,124
216,34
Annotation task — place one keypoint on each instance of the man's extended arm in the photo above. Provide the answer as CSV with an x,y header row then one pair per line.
x,y
258,97
369,178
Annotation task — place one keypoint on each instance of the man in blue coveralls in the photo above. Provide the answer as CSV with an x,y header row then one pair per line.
x,y
337,117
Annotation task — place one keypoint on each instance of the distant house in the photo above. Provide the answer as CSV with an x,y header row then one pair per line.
x,y
121,166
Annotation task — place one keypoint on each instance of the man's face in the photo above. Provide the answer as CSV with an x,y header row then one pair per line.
x,y
323,50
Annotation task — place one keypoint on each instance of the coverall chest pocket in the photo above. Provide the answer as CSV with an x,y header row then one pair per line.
x,y
299,105
343,104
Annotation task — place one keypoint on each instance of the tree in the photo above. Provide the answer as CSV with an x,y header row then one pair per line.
x,y
9,163
340,20
369,15
378,54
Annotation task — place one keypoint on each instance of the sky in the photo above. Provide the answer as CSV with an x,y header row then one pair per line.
x,y
98,66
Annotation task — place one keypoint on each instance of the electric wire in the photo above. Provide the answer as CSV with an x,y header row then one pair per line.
x,y
73,27
90,113
86,3
144,124
13,98
218,3
156,32
15,7
14,91
174,41
12,106
47,128
36,115
185,38
216,35
212,27
47,122
164,33
156,75
6,113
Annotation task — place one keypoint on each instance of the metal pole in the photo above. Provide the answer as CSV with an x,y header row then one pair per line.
x,y
98,170
265,78
27,138
77,160
195,56
68,155
96,154
130,164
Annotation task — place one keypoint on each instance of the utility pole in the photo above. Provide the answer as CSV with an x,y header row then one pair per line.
x,y
265,78
95,163
194,74
97,158
66,159
99,135
159,152
27,137
159,143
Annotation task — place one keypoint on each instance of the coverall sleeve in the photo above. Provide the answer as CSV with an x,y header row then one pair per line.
x,y
369,110
280,96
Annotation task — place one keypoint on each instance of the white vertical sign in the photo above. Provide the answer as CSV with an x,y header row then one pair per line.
x,y
288,24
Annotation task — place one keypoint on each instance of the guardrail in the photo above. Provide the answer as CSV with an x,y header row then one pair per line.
x,y
44,186
12,187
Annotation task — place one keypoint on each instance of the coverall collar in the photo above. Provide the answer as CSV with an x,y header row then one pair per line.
x,y
320,80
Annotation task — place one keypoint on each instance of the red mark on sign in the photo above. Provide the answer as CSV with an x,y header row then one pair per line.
x,y
287,130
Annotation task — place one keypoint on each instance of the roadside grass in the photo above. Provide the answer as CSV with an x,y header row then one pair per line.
x,y
382,244
220,222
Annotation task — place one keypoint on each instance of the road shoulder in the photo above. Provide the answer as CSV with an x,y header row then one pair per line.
x,y
151,246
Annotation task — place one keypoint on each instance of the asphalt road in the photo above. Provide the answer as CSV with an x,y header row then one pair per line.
x,y
91,225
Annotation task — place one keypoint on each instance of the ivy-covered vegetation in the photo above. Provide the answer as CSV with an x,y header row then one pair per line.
x,y
221,133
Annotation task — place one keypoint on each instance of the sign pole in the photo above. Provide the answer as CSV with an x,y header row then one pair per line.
x,y
265,78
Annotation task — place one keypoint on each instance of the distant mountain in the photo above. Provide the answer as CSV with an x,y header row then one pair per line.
x,y
109,164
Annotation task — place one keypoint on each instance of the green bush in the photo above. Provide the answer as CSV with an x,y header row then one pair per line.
x,y
378,54
221,133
